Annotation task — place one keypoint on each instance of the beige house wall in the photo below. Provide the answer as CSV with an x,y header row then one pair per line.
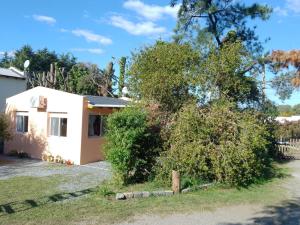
x,y
77,146
38,140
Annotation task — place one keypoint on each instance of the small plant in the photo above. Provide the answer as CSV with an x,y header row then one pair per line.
x,y
58,159
23,155
105,191
50,158
19,154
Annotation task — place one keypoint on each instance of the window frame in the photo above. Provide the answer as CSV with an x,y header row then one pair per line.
x,y
102,132
22,114
60,117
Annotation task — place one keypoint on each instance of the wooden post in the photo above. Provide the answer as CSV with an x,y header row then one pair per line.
x,y
175,181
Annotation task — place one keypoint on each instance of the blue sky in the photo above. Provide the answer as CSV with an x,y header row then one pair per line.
x,y
95,31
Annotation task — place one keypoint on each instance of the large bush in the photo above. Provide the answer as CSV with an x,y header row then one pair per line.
x,y
217,143
131,145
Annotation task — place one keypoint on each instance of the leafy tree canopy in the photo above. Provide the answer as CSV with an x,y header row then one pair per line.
x,y
164,73
288,110
224,20
223,74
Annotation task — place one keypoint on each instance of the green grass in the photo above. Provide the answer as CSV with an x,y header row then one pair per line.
x,y
38,201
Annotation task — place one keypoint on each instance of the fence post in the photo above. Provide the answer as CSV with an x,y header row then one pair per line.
x,y
175,181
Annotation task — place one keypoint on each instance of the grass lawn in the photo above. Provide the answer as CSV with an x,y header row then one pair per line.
x,y
37,200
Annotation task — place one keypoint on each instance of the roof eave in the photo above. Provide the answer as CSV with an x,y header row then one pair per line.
x,y
21,78
105,106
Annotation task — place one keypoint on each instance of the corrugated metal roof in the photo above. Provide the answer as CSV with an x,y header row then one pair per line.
x,y
11,72
100,101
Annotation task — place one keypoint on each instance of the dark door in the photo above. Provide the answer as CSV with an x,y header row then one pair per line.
x,y
1,146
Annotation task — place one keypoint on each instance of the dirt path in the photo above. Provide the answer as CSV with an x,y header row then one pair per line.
x,y
284,213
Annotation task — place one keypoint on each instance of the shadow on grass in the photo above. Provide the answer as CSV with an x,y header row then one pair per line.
x,y
20,206
285,213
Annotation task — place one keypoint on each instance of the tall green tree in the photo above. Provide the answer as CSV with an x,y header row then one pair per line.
x,y
222,75
6,60
223,20
122,65
164,73
21,55
80,81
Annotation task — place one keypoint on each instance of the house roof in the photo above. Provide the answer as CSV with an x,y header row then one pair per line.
x,y
283,119
100,101
11,73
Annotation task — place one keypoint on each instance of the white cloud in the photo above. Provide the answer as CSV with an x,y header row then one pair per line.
x,y
97,51
141,28
293,5
151,12
63,30
280,11
44,19
92,37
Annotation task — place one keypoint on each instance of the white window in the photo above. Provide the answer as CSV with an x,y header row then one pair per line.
x,y
22,122
97,125
58,126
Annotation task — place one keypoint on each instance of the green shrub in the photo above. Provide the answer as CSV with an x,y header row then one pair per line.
x,y
105,191
131,147
217,143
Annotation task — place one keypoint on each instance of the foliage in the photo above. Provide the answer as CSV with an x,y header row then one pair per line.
x,y
282,84
288,110
80,79
100,81
122,65
62,72
224,20
223,75
6,60
217,143
164,73
130,147
5,133
41,59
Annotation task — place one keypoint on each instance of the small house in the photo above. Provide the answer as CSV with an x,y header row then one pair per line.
x,y
61,124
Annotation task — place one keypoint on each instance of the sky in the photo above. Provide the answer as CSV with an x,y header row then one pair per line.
x,y
99,31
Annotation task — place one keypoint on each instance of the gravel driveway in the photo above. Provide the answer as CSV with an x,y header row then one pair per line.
x,y
78,177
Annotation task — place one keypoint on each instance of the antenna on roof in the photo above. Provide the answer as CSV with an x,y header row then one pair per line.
x,y
26,64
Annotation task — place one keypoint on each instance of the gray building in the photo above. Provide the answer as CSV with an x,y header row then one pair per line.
x,y
12,82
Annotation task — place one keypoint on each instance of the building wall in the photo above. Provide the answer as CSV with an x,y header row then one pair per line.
x,y
92,147
38,140
10,87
